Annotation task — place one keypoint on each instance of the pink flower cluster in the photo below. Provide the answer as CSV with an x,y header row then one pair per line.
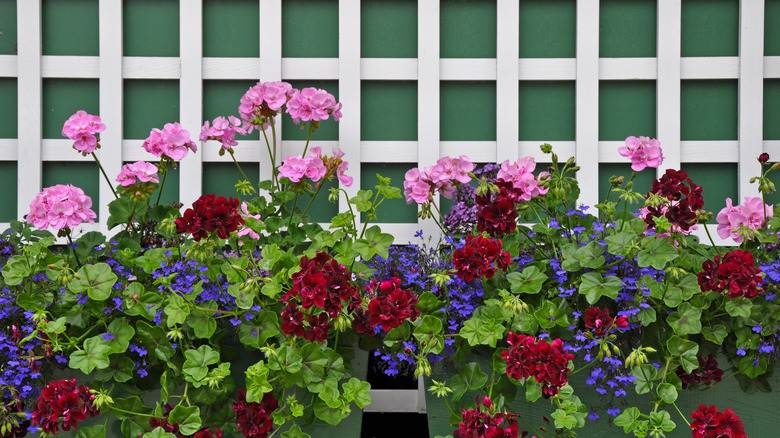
x,y
81,128
61,206
643,152
520,174
173,142
262,101
315,167
312,104
751,214
141,170
444,176
223,130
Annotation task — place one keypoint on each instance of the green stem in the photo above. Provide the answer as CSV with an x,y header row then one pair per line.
x,y
709,236
239,168
73,250
103,171
625,202
270,157
681,414
162,184
273,134
292,211
133,413
589,364
308,138
533,429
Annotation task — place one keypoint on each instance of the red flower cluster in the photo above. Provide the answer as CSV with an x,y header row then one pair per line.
x,y
709,423
684,199
734,273
254,419
390,307
477,256
479,424
601,322
707,373
63,400
174,428
322,283
498,215
209,214
547,362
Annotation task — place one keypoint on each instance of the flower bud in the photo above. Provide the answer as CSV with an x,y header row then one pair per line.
x,y
763,158
546,148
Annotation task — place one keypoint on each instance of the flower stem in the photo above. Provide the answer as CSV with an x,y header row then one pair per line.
x,y
103,171
308,139
73,249
162,184
239,168
681,414
270,157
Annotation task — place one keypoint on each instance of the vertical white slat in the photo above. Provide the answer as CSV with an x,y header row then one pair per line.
x,y
507,79
751,93
587,100
428,93
349,92
668,82
28,180
110,28
191,95
270,69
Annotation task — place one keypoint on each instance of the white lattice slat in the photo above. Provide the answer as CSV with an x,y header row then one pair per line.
x,y
668,83
8,66
388,69
191,95
71,66
507,100
751,94
587,100
151,67
271,65
349,93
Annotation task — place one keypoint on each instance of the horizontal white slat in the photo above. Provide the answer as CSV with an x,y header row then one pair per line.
x,y
245,151
394,400
564,149
295,147
608,152
388,151
133,150
723,67
772,67
8,66
399,69
142,67
722,151
70,67
701,233
628,68
772,147
61,149
310,68
477,151
476,69
231,68
402,233
547,69
8,149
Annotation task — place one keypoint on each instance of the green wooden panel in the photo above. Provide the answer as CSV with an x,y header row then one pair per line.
x,y
151,28
774,197
392,210
310,29
388,29
8,175
772,109
719,181
626,108
221,178
8,36
82,174
642,182
8,97
468,29
70,27
221,98
547,111
170,191
771,29
710,28
548,28
151,104
62,98
241,38
627,28
468,111
708,110
321,210
388,110
329,129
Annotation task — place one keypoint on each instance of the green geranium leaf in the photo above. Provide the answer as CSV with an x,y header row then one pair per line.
x,y
154,340
129,404
739,307
685,320
329,392
98,431
120,369
285,359
428,303
628,419
188,419
94,355
549,315
656,254
196,365
270,255
621,243
357,391
16,269
30,302
255,332
400,333
715,334
332,416
591,255
177,310
662,420
667,392
686,350
295,432
594,286
257,382
151,259
96,280
202,322
158,432
751,367
480,331
646,316
245,297
376,242
122,333
644,375
527,281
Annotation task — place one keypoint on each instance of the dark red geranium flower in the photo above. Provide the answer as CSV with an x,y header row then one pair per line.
x,y
733,273
254,419
601,322
63,400
709,423
684,197
480,424
209,214
547,362
477,257
763,158
706,375
392,305
497,214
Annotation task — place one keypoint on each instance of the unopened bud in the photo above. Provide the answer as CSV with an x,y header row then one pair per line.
x,y
763,158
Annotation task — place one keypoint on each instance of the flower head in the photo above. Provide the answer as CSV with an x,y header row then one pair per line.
x,y
643,152
61,206
546,362
262,102
733,219
173,142
81,128
254,419
140,170
734,273
312,104
223,130
209,214
708,422
520,174
480,257
62,404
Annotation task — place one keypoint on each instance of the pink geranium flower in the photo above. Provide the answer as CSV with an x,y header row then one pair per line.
x,y
643,152
261,102
731,219
520,174
443,177
61,206
140,170
312,104
223,130
81,128
173,141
